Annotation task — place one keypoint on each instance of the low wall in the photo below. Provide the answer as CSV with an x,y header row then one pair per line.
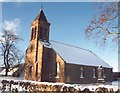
x,y
32,86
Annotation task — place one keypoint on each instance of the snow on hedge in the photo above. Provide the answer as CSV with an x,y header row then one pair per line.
x,y
26,85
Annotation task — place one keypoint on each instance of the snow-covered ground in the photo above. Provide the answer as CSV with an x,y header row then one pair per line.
x,y
11,78
91,87
11,71
116,84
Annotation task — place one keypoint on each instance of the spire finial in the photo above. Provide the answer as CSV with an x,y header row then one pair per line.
x,y
41,8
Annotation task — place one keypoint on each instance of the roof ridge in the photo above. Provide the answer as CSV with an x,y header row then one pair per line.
x,y
71,45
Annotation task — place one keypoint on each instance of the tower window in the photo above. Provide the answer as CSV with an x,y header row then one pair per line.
x,y
81,72
32,32
35,34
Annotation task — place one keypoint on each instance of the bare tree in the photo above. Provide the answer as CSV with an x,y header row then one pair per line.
x,y
103,27
9,51
19,56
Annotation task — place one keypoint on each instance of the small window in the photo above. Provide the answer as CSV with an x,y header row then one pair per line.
x,y
81,72
94,76
58,70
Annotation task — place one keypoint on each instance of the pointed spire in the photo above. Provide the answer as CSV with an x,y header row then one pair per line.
x,y
41,15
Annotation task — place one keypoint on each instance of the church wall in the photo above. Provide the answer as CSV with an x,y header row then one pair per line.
x,y
40,55
108,74
46,64
57,65
53,67
31,58
73,74
29,63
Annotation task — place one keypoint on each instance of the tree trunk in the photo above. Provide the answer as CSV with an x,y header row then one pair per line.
x,y
6,72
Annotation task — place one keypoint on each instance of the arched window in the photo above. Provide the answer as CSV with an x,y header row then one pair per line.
x,y
32,32
81,72
58,69
35,32
94,76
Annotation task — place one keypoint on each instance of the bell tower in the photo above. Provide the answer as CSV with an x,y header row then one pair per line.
x,y
39,33
40,28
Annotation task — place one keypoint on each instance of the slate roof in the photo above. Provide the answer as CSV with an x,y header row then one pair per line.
x,y
77,55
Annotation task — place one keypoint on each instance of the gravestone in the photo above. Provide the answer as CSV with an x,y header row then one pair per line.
x,y
100,75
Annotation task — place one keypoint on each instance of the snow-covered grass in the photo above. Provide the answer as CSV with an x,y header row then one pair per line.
x,y
18,84
10,73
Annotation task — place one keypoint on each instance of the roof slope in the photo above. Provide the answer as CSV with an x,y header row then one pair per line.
x,y
77,55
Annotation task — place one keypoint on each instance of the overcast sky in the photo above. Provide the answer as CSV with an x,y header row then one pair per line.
x,y
68,23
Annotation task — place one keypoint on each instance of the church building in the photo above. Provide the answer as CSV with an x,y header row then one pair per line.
x,y
52,61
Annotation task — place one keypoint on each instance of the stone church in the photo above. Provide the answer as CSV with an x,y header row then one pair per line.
x,y
52,61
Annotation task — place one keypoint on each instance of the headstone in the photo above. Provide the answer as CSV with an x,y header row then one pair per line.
x,y
100,75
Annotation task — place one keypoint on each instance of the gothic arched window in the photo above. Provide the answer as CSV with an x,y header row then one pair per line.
x,y
81,72
94,76
57,69
35,33
32,32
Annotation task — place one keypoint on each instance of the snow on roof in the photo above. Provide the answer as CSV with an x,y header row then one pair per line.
x,y
45,44
77,55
